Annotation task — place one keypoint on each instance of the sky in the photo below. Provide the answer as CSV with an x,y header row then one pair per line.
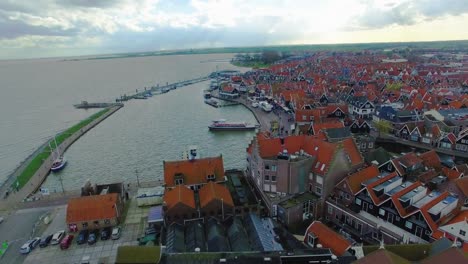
x,y
48,28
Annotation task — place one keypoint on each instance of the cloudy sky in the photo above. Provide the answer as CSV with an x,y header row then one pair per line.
x,y
42,28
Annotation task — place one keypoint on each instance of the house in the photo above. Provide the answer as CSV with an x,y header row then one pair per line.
x,y
215,199
457,229
360,126
179,204
94,212
461,144
318,233
193,173
447,141
361,107
228,92
351,185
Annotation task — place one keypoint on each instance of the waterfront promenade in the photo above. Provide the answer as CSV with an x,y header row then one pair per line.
x,y
40,175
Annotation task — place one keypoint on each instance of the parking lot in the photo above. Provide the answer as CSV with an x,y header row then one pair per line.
x,y
101,252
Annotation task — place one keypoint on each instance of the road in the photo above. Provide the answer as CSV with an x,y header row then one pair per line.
x,y
16,229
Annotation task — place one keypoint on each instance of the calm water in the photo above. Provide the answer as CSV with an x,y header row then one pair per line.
x,y
37,98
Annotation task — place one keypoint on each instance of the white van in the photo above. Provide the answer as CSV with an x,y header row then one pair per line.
x,y
57,237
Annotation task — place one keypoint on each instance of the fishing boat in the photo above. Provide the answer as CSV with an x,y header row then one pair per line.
x,y
219,125
59,161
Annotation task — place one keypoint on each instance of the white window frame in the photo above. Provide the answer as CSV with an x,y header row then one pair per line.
x,y
273,168
318,190
381,212
318,179
409,225
330,210
179,181
358,201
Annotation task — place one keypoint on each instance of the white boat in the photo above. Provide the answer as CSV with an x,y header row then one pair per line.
x,y
60,161
266,106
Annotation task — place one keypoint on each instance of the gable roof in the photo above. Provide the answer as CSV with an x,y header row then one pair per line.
x,y
451,174
179,194
90,208
351,149
354,180
462,184
193,171
431,159
213,191
328,238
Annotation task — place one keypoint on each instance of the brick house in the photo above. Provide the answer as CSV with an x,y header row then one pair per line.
x,y
95,211
215,199
179,204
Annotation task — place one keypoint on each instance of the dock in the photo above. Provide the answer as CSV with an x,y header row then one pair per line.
x,y
86,105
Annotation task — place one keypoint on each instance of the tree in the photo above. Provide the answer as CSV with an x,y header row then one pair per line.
x,y
383,126
270,56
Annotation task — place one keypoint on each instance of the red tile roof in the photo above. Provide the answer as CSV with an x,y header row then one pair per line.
x,y
179,194
462,184
193,171
213,191
425,208
316,128
395,198
351,149
370,187
354,180
431,159
91,208
382,256
328,238
460,217
451,174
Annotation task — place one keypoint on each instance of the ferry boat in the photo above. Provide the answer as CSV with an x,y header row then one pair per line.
x,y
222,124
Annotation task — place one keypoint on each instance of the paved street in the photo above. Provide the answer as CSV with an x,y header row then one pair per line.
x,y
16,229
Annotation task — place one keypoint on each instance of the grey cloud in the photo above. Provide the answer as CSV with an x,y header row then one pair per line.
x,y
88,3
10,29
407,13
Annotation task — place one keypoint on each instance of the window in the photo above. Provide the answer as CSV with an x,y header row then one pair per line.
x,y
338,113
319,179
358,201
179,181
409,225
273,167
462,232
318,190
382,212
310,239
267,167
210,177
371,206
337,217
348,197
428,232
304,117
359,227
371,144
107,221
273,178
267,178
330,210
397,218
84,225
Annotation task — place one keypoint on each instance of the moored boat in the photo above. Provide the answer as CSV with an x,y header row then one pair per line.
x,y
222,124
59,163
212,102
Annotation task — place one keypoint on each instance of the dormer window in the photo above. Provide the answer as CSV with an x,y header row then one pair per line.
x,y
179,181
210,177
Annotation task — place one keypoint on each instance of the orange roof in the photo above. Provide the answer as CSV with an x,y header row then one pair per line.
x,y
462,184
91,208
328,238
316,128
324,151
451,174
213,191
353,152
396,201
179,194
460,217
354,180
431,159
425,208
193,171
370,186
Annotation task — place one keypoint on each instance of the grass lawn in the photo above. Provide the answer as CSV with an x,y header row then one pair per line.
x,y
37,161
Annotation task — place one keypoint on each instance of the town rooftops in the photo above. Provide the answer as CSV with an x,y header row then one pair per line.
x,y
193,171
354,180
328,238
382,256
91,208
462,184
431,159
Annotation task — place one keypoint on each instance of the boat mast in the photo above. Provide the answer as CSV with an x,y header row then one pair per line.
x,y
56,148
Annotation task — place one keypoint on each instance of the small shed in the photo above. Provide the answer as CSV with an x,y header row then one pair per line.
x,y
150,196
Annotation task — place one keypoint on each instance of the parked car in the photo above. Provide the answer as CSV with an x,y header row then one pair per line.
x,y
106,233
45,241
93,236
116,232
66,242
57,237
82,237
29,245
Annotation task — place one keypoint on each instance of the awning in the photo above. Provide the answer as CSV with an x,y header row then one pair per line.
x,y
155,214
